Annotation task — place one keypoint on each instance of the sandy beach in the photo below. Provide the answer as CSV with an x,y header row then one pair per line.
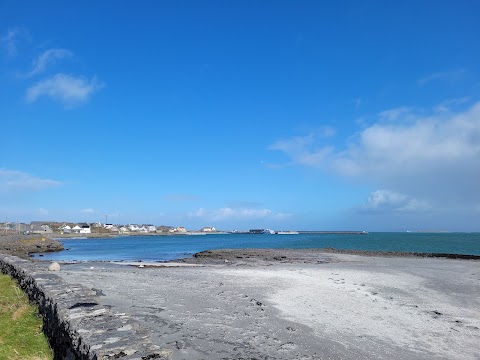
x,y
275,304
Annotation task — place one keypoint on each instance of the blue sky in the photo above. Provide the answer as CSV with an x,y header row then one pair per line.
x,y
242,114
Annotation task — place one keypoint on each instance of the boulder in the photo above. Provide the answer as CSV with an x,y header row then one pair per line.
x,y
55,266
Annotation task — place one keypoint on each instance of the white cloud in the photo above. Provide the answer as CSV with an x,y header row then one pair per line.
x,y
230,213
67,89
434,157
10,40
88,211
390,201
17,180
48,58
430,145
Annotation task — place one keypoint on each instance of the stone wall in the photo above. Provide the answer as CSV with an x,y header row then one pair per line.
x,y
75,323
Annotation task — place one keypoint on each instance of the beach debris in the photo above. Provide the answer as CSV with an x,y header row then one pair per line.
x,y
180,344
98,292
54,266
257,303
436,314
160,354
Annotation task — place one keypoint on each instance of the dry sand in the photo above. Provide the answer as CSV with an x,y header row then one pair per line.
x,y
276,304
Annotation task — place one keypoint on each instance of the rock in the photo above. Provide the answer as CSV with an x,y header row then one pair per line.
x,y
55,266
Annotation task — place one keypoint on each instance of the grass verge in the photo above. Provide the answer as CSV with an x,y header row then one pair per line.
x,y
21,336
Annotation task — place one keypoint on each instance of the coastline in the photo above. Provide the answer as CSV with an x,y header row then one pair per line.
x,y
296,304
293,304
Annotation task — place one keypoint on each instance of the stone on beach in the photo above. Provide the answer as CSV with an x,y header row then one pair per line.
x,y
55,266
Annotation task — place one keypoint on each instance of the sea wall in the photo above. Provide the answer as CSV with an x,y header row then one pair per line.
x,y
77,326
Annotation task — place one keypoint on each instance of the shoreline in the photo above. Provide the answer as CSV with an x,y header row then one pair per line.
x,y
274,304
291,304
234,256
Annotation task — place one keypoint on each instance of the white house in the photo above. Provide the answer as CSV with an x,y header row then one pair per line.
x,y
85,229
133,227
65,229
208,229
81,229
150,228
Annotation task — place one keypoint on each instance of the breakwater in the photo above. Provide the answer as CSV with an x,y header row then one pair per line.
x,y
77,326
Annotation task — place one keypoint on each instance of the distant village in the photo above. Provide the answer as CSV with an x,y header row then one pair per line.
x,y
66,228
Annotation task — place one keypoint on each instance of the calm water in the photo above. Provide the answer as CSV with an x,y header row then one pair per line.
x,y
161,248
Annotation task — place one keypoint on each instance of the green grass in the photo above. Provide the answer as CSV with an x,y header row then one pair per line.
x,y
21,336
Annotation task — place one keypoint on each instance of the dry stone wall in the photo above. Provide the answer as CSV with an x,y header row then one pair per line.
x,y
77,326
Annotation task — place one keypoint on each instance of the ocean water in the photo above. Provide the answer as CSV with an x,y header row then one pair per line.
x,y
163,248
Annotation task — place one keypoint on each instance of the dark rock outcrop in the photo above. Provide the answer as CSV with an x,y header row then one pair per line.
x,y
23,245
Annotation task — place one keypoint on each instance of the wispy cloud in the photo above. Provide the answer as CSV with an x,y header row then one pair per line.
x,y
450,76
47,58
400,113
64,88
303,150
449,105
11,180
357,102
9,41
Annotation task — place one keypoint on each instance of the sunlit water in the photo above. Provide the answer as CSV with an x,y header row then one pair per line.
x,y
162,248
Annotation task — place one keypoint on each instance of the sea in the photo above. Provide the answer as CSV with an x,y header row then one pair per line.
x,y
166,248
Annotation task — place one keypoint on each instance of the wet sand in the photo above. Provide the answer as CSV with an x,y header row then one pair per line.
x,y
277,304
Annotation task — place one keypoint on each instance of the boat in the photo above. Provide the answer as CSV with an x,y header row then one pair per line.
x,y
289,232
261,231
